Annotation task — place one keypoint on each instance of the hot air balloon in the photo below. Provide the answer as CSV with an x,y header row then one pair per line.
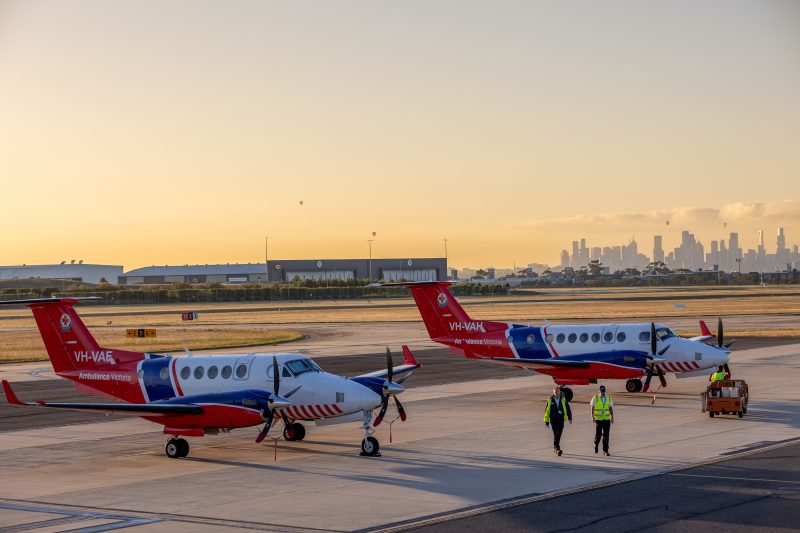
x,y
374,233
667,222
301,203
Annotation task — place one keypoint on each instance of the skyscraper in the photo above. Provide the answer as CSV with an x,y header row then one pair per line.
x,y
658,250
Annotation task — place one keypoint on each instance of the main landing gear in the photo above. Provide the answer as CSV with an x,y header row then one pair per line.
x,y
176,447
634,385
567,392
294,431
370,446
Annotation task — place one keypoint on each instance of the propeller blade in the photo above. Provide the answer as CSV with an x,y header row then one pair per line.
x,y
719,333
728,345
267,425
400,409
653,341
389,365
664,350
384,405
276,378
647,380
661,377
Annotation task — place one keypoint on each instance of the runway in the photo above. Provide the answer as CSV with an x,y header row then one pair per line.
x,y
466,445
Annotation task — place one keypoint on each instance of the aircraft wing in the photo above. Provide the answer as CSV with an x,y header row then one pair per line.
x,y
401,372
132,408
539,363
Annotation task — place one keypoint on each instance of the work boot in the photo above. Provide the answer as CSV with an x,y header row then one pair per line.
x,y
559,452
595,446
606,454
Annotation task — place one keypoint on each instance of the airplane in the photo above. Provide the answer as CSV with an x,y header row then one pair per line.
x,y
209,394
570,354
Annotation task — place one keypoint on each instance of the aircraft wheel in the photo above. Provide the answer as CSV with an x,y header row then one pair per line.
x,y
289,432
183,447
634,385
711,414
172,449
567,393
370,446
299,431
741,414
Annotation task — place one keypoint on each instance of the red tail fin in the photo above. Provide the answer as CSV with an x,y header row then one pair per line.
x,y
704,329
443,315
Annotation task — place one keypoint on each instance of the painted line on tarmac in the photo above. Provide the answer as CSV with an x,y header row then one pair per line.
x,y
736,478
74,515
536,497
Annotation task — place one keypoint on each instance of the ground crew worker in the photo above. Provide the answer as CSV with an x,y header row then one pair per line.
x,y
719,375
555,411
603,417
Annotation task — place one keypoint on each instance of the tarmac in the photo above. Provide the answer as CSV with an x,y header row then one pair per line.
x,y
472,449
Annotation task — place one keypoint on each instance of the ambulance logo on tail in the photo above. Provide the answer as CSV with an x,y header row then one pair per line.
x,y
442,300
66,322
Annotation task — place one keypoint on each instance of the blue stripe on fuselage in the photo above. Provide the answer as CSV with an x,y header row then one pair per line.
x,y
158,384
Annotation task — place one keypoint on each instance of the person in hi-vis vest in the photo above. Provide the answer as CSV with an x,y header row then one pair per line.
x,y
556,410
602,416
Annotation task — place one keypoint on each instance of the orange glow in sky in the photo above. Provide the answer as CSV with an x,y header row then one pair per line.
x,y
146,132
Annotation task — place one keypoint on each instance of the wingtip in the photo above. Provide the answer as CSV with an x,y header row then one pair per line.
x,y
11,397
409,359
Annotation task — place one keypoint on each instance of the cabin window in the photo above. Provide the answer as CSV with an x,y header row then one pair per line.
x,y
198,372
212,372
608,336
560,338
584,337
644,336
300,366
621,336
186,372
573,337
549,338
595,337
285,373
164,374
226,372
241,371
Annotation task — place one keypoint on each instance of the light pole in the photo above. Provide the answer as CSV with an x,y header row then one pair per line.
x,y
369,275
266,257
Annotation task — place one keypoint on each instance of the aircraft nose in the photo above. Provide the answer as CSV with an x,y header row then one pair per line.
x,y
358,397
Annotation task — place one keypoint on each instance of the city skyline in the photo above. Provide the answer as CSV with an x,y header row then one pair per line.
x,y
725,255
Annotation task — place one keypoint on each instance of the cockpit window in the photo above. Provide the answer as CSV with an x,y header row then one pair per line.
x,y
664,333
299,366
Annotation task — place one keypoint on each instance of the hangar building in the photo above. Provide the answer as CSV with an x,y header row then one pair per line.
x,y
416,269
73,271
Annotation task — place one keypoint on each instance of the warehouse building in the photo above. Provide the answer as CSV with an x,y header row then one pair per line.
x,y
73,271
282,271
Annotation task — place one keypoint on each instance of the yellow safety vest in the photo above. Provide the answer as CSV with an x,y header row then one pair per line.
x,y
602,409
547,408
718,376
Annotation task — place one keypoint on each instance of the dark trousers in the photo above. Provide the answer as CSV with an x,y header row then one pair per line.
x,y
558,428
602,428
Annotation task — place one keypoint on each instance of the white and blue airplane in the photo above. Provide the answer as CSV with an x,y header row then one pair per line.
x,y
208,394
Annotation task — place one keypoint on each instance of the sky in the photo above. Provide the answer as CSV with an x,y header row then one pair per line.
x,y
147,132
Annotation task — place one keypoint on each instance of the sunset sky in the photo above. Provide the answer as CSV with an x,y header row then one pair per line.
x,y
148,132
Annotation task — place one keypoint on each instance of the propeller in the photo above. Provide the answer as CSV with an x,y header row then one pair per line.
x,y
274,403
655,360
721,342
390,389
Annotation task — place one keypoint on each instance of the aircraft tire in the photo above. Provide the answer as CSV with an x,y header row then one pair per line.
x,y
634,385
370,446
567,393
183,447
711,414
299,431
290,434
172,449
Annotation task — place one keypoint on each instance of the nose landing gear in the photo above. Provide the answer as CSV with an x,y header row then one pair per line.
x,y
294,431
176,447
370,447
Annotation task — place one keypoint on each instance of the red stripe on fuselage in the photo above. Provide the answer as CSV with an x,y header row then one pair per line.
x,y
550,344
175,376
337,409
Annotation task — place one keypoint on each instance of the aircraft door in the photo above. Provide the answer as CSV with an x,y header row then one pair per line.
x,y
241,370
609,332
